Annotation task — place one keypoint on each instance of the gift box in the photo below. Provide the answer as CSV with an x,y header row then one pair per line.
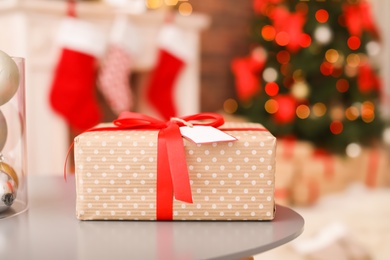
x,y
284,176
371,167
131,171
320,174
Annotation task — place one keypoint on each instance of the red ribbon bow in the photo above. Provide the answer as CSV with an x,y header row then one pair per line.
x,y
172,172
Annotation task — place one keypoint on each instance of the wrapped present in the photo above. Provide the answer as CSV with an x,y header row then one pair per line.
x,y
320,174
141,168
289,148
371,167
290,153
284,176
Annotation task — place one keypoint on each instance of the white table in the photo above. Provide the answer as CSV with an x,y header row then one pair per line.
x,y
50,230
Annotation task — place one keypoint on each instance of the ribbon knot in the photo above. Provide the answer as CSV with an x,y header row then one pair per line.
x,y
172,172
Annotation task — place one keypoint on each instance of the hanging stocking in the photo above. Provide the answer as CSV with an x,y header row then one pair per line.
x,y
72,93
172,55
114,77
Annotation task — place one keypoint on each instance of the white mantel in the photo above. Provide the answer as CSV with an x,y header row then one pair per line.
x,y
29,30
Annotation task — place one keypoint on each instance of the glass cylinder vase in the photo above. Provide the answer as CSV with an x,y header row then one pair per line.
x,y
13,153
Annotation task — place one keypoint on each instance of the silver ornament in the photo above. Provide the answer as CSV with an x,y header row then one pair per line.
x,y
8,186
3,130
9,78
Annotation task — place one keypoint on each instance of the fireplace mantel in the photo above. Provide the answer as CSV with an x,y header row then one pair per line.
x,y
29,30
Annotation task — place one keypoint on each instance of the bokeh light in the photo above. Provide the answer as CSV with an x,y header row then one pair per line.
x,y
271,88
271,106
326,68
268,33
337,72
305,40
300,90
302,8
230,106
332,55
285,69
367,111
283,57
373,48
353,43
323,34
298,75
319,109
185,9
342,85
337,113
154,4
352,113
336,127
353,150
322,16
386,136
353,60
303,111
270,74
282,38
171,2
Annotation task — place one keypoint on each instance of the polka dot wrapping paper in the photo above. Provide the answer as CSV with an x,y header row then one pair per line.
x,y
116,176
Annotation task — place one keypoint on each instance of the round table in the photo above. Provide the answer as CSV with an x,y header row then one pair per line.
x,y
50,230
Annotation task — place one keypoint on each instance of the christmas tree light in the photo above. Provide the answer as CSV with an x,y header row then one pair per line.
x,y
318,81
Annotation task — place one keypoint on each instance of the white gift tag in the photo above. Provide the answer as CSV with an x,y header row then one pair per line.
x,y
205,134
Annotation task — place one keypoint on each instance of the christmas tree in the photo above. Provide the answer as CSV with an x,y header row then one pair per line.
x,y
311,72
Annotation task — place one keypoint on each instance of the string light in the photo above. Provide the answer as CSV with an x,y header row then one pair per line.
x,y
230,106
283,57
353,43
282,38
353,150
352,113
336,127
303,111
342,85
305,41
367,111
386,136
272,89
285,69
326,68
373,48
302,8
298,75
271,106
270,74
331,55
322,16
319,109
353,60
337,113
153,4
171,2
268,33
323,34
300,90
185,9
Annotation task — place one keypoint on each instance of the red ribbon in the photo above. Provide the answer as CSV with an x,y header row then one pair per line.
x,y
328,161
172,172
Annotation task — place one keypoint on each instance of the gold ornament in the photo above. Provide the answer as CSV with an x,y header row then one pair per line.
x,y
8,186
9,78
4,167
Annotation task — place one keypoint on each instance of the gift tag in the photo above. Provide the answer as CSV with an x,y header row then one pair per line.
x,y
205,134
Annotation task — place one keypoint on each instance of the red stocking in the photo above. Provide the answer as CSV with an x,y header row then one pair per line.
x,y
171,59
114,77
72,92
